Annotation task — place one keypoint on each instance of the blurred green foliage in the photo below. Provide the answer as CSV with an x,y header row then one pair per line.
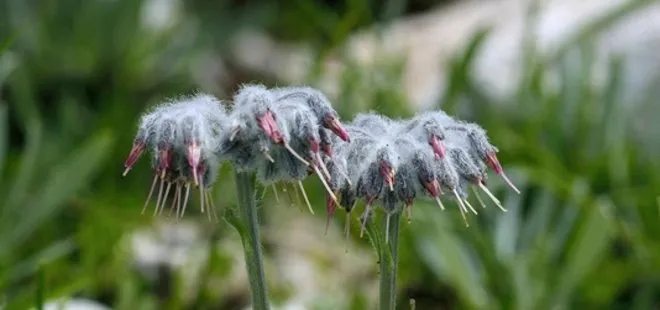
x,y
75,75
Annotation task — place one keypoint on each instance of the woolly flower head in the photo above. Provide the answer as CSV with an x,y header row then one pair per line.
x,y
395,161
181,136
281,133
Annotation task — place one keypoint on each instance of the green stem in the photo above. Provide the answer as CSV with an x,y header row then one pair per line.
x,y
389,261
249,217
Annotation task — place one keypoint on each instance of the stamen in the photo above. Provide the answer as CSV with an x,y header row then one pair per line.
x,y
210,204
185,200
151,192
387,228
234,132
492,197
177,194
461,208
324,168
267,155
470,206
302,189
367,210
195,176
178,201
347,230
476,193
327,187
201,196
439,202
296,192
162,204
160,190
494,164
506,179
277,197
295,154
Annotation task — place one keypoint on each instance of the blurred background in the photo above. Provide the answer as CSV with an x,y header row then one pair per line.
x,y
567,90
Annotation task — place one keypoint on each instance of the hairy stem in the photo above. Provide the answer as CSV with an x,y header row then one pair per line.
x,y
389,261
247,209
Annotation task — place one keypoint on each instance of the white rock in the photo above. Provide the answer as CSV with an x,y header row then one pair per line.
x,y
74,304
430,40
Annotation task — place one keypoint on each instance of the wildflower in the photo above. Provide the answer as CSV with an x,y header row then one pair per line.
x,y
286,134
396,161
181,136
282,134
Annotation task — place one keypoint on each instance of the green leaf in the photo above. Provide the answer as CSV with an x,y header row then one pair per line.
x,y
30,265
506,236
460,69
447,257
4,129
536,224
61,183
41,288
589,248
19,187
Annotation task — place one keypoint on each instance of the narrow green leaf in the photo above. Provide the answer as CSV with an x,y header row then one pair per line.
x,y
374,238
537,223
39,296
443,251
8,63
30,265
7,43
460,69
589,248
4,129
506,236
62,182
613,125
522,283
18,189
561,233
25,106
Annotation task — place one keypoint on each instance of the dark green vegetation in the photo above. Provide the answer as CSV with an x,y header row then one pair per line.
x,y
75,75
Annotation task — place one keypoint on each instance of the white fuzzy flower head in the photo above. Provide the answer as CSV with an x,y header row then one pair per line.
x,y
181,136
281,133
395,161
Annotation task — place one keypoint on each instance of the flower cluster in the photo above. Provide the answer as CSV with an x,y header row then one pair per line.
x,y
286,134
395,161
282,134
181,136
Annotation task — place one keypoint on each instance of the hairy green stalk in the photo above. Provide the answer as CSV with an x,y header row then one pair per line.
x,y
249,218
389,261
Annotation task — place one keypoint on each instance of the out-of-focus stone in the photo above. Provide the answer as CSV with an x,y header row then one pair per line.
x,y
74,304
430,40
320,269
183,248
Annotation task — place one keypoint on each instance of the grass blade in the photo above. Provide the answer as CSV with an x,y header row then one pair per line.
x,y
62,182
